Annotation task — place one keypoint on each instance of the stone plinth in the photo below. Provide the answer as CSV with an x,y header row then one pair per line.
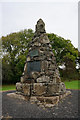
x,y
41,100
39,89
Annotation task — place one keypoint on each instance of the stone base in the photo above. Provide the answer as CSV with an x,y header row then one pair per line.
x,y
40,89
41,100
18,96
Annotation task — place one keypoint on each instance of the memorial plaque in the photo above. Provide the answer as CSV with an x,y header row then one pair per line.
x,y
33,66
33,53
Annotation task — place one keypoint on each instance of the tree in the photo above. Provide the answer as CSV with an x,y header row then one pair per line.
x,y
66,54
62,49
15,48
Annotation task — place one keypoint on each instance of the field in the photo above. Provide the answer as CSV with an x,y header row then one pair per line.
x,y
8,87
73,84
69,85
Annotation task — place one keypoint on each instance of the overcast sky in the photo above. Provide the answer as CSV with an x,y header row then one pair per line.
x,y
60,18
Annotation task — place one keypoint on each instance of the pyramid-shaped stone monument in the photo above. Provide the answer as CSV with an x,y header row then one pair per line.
x,y
41,75
40,80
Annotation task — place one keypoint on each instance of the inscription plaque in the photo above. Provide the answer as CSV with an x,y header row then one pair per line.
x,y
33,66
33,53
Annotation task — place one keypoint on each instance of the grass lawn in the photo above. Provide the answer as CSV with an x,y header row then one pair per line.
x,y
8,87
69,85
73,84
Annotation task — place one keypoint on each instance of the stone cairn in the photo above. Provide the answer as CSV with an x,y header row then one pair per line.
x,y
40,80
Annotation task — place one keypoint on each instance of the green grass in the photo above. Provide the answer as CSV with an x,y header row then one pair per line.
x,y
73,84
8,87
69,85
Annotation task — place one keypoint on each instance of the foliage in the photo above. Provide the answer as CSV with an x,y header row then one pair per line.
x,y
66,54
62,49
15,49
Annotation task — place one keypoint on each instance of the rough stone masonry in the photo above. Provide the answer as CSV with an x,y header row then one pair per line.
x,y
40,80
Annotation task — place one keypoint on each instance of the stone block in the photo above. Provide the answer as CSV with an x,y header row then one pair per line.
x,y
23,74
22,79
49,105
53,89
34,75
52,100
39,89
48,58
50,45
41,51
29,48
37,44
18,96
53,60
64,95
58,80
44,65
25,67
26,89
42,48
52,67
35,39
33,99
49,72
57,72
56,89
18,87
28,58
44,39
41,99
14,95
54,80
43,79
62,87
48,101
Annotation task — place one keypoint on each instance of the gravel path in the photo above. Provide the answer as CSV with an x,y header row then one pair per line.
x,y
15,108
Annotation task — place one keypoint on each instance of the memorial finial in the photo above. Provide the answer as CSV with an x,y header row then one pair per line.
x,y
40,27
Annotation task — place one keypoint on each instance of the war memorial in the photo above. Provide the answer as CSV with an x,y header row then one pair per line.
x,y
40,82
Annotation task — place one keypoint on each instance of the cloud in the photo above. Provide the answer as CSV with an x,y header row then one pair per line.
x,y
59,17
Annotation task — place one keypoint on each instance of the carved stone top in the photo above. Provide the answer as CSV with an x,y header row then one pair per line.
x,y
40,27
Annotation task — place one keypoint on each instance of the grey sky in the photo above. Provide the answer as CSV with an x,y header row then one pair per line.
x,y
60,18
